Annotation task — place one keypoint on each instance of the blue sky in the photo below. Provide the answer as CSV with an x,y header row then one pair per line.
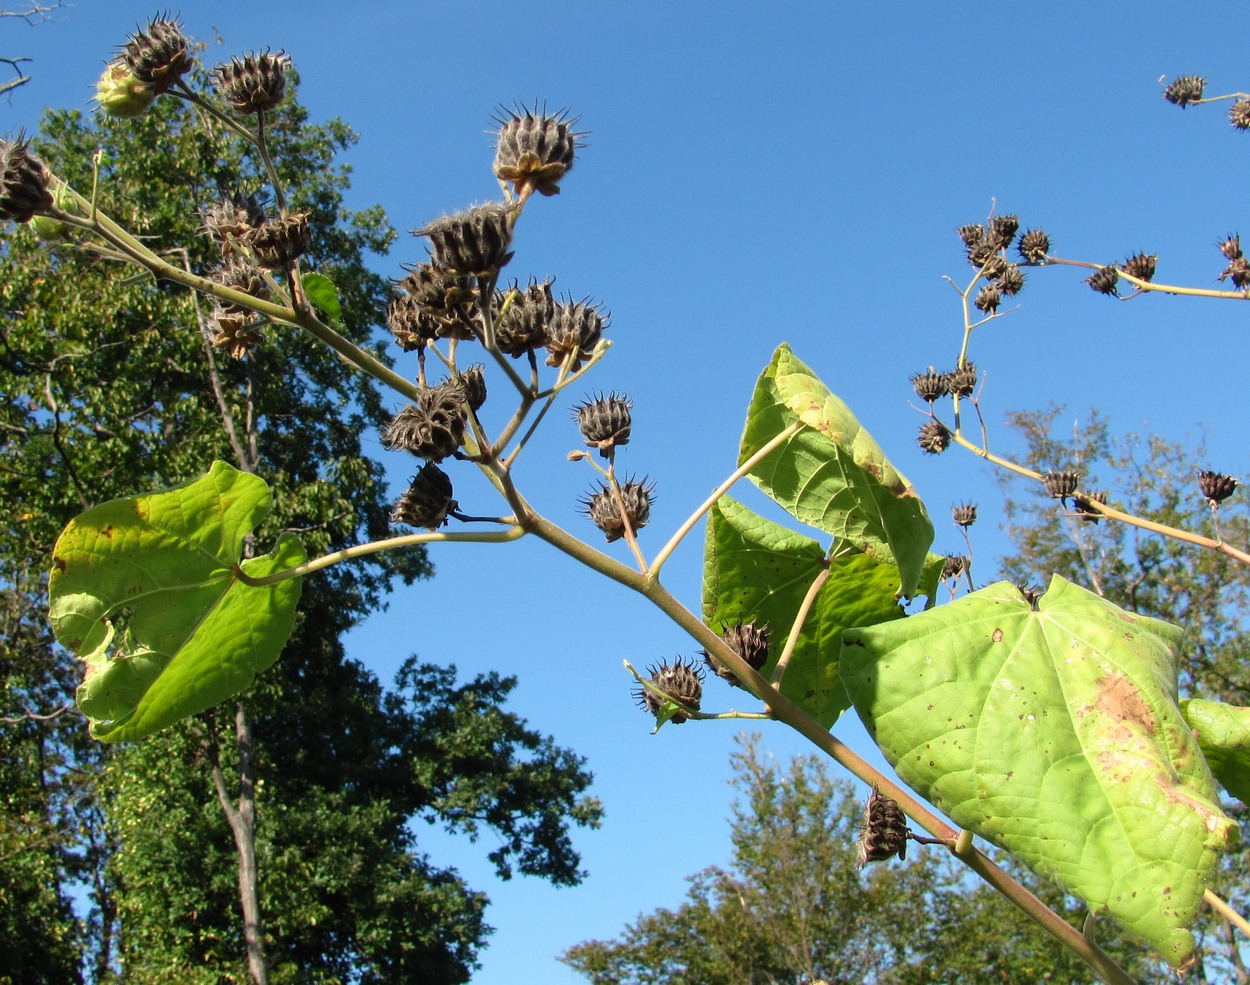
x,y
751,177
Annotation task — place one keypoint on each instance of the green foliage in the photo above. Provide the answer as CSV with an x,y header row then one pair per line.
x,y
1223,732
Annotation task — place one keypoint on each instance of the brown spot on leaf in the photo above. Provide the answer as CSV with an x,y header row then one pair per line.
x,y
58,563
107,531
1120,699
997,636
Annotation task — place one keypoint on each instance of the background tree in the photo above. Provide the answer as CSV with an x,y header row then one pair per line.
x,y
112,386
792,907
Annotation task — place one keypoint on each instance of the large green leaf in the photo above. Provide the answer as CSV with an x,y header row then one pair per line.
x,y
754,569
1223,732
1055,733
161,565
832,474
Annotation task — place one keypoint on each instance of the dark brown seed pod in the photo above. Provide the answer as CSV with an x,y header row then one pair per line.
x,y
473,380
240,275
23,182
988,299
929,385
935,438
972,234
279,242
883,833
681,680
1034,245
1216,486
962,381
522,317
411,324
1185,89
980,252
575,328
605,422
1141,266
1085,509
1239,114
1239,272
955,565
473,242
158,56
602,508
994,266
1011,280
535,150
228,221
255,83
1230,246
747,640
1104,281
1003,230
964,515
427,502
433,427
1061,485
234,332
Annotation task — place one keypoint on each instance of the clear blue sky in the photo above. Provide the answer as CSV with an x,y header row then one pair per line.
x,y
752,176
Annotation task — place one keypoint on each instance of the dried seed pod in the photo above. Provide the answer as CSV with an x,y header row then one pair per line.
x,y
747,640
935,438
883,833
447,296
158,56
1239,114
972,234
929,385
1003,230
1239,271
605,422
240,275
229,221
994,267
964,515
1141,266
1034,245
235,332
980,252
1215,486
473,381
428,501
1230,246
575,327
1185,89
473,242
962,381
988,299
681,680
279,242
433,427
602,508
23,182
1061,485
535,150
1011,280
955,565
410,323
1085,508
522,326
255,83
1104,281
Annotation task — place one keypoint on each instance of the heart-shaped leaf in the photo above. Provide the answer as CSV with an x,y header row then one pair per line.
x,y
754,569
1223,732
832,474
162,565
1055,733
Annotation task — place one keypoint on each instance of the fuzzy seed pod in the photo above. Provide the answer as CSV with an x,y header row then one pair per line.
x,y
1104,281
972,234
605,422
229,221
23,182
1141,266
955,565
240,275
1215,486
279,242
1230,246
682,680
474,242
255,83
428,501
883,832
575,327
446,296
522,326
1061,485
930,385
747,640
120,94
159,56
1034,245
473,382
1085,508
1003,230
962,381
1239,271
993,267
411,324
433,428
964,515
1011,280
235,332
535,150
988,299
1184,90
980,252
1239,114
935,438
602,508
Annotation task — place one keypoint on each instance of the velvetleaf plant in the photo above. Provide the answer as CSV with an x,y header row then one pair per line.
x,y
1082,692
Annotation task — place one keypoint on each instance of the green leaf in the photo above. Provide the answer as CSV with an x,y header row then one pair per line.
x,y
1223,732
324,296
162,564
1055,733
754,569
832,474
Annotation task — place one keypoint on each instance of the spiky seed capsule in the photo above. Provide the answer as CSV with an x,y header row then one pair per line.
x,y
1185,89
972,234
935,438
159,56
1061,485
884,831
954,565
255,83
1032,593
1085,508
1215,486
120,94
433,427
962,381
1239,114
235,332
964,515
1141,266
229,221
1003,230
1104,281
605,422
1230,246
575,329
535,150
1239,271
473,242
246,278
1034,245
979,252
522,317
747,640
1011,280
279,242
428,501
601,507
681,680
993,267
410,323
473,380
988,299
23,182
930,385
